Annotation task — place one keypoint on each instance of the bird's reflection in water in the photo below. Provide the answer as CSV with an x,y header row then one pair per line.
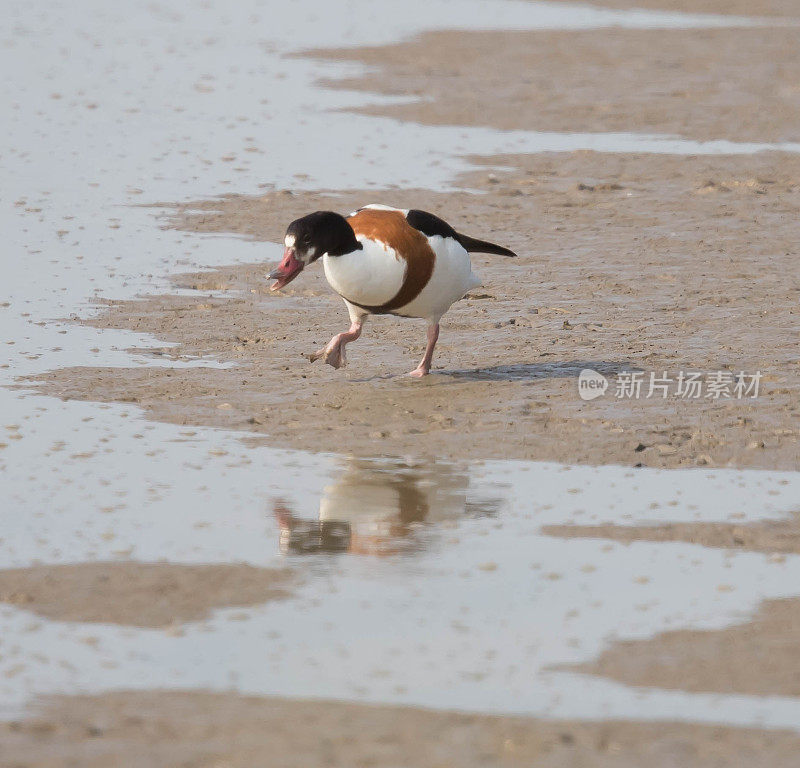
x,y
374,507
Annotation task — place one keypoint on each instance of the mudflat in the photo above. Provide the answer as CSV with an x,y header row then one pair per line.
x,y
140,594
151,729
652,263
656,264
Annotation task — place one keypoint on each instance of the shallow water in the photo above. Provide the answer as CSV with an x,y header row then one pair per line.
x,y
424,583
457,600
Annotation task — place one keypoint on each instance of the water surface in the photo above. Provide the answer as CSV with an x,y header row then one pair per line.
x,y
425,584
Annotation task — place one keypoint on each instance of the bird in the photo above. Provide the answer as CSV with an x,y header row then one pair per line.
x,y
384,260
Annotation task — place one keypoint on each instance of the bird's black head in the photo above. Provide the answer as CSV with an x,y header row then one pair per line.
x,y
319,233
308,239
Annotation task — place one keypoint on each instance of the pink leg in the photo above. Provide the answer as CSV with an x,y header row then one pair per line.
x,y
333,353
424,367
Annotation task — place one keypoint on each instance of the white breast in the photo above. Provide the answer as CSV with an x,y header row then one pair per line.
x,y
371,276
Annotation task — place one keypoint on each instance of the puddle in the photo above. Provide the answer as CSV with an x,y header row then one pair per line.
x,y
422,583
455,600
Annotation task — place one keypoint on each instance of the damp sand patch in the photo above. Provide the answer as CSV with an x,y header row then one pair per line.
x,y
552,78
156,728
776,537
758,657
620,268
140,594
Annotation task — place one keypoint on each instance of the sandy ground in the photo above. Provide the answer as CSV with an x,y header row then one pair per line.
x,y
758,657
139,594
649,263
738,84
626,263
775,537
200,730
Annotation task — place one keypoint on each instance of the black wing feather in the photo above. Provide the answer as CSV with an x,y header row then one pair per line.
x,y
431,226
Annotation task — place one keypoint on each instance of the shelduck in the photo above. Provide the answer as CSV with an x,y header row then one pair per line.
x,y
384,260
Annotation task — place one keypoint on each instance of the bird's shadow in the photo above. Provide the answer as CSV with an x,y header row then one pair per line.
x,y
535,371
517,372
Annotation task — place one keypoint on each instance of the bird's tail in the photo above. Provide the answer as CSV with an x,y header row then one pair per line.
x,y
481,246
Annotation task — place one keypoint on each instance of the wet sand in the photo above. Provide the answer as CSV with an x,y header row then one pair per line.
x,y
627,262
155,729
139,594
649,263
775,537
757,657
737,84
